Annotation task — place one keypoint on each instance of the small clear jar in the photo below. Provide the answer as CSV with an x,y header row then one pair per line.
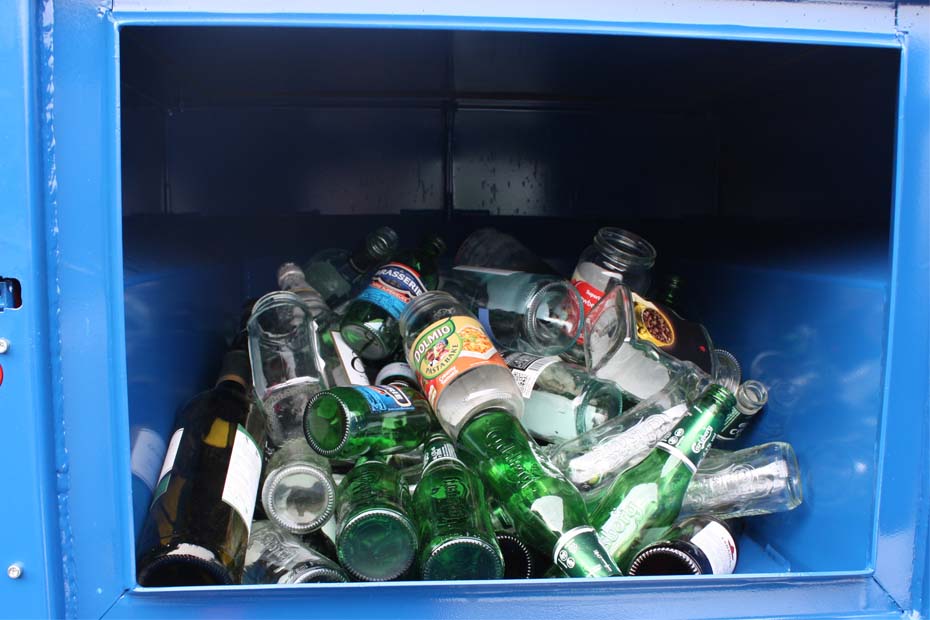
x,y
276,556
298,492
615,254
456,363
284,362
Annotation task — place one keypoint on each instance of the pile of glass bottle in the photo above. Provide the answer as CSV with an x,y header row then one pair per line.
x,y
378,418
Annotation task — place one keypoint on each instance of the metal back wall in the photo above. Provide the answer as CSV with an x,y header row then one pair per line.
x,y
92,375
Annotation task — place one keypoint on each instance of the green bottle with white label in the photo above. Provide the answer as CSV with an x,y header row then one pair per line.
x,y
456,537
650,494
197,528
547,511
346,422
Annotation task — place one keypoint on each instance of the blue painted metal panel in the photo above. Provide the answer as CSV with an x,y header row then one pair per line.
x,y
902,557
29,528
92,375
684,599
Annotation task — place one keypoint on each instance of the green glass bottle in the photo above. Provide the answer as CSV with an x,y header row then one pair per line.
x,y
456,537
346,422
650,494
370,323
375,538
548,512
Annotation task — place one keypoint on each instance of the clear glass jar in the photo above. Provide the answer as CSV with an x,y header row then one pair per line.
x,y
458,367
615,254
298,492
275,556
489,247
284,362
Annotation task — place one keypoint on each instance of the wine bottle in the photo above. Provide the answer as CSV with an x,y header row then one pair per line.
x,y
197,527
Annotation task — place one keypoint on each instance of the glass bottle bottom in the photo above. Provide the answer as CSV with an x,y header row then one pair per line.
x,y
377,545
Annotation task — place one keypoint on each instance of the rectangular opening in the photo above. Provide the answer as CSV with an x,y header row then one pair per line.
x,y
761,172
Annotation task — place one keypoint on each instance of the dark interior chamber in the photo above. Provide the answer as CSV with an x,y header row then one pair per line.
x,y
761,172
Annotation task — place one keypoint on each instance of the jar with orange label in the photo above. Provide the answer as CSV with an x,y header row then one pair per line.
x,y
457,365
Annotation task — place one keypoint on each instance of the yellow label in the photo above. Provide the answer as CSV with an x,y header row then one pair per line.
x,y
448,348
651,323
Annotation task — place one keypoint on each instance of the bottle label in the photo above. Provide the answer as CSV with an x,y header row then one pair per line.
x,y
165,476
718,546
351,363
590,294
147,454
579,553
449,348
384,398
245,468
526,369
438,449
682,339
734,426
392,287
689,445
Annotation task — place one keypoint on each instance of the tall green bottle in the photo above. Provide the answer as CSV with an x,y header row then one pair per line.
x,y
548,512
650,494
456,537
370,323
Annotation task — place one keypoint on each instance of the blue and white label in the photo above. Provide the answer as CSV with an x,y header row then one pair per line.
x,y
392,287
384,398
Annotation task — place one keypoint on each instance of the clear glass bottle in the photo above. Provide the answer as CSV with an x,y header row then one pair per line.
x,y
369,326
759,480
197,527
456,363
284,362
700,545
650,494
277,556
489,247
456,538
339,275
727,371
375,537
592,460
561,400
640,346
291,278
547,511
520,311
298,493
751,396
346,422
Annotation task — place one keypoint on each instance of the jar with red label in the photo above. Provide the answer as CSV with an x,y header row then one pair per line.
x,y
457,365
615,254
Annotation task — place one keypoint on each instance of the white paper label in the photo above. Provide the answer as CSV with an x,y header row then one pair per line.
x,y
719,547
351,363
164,478
148,452
245,468
527,376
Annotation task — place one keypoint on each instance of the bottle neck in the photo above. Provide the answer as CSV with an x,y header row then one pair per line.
x,y
692,437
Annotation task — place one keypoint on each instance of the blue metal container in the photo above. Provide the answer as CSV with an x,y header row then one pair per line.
x,y
161,158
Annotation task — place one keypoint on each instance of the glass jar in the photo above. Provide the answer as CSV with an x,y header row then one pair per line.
x,y
458,367
298,492
615,254
284,362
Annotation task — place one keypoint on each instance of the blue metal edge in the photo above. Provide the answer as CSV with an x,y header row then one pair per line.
x,y
849,588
